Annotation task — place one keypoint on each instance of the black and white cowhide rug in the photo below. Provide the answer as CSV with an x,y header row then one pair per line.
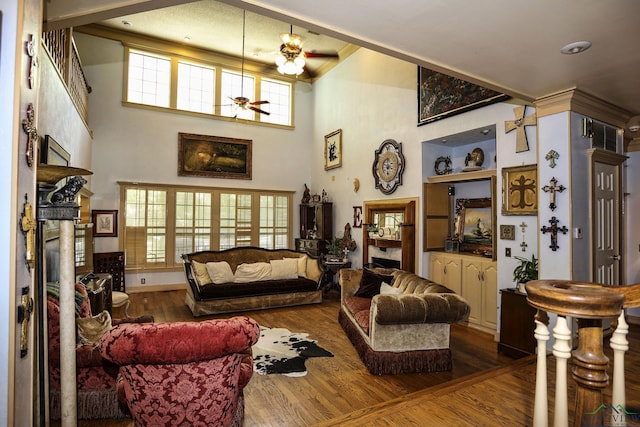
x,y
280,351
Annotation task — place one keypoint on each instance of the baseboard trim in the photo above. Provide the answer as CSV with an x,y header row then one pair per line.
x,y
156,288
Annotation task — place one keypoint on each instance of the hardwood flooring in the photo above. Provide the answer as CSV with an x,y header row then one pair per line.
x,y
484,388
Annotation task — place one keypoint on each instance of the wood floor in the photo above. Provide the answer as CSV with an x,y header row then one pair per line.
x,y
484,388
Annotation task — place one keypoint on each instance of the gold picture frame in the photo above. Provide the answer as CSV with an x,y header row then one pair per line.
x,y
333,150
214,156
520,190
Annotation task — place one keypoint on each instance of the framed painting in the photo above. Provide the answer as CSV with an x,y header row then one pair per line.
x,y
52,153
474,225
214,156
441,96
333,150
519,190
105,223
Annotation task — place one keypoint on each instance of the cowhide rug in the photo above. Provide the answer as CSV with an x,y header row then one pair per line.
x,y
280,351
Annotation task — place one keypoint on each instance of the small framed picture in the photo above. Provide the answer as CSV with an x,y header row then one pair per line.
x,y
105,223
333,150
507,232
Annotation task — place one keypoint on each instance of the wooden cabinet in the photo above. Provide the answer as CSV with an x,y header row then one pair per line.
x,y
316,227
313,247
446,269
517,325
480,288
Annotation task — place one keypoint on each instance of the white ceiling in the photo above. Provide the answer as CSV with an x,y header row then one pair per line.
x,y
510,46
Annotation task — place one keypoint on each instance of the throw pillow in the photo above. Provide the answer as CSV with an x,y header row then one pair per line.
x,y
220,272
284,269
370,284
302,265
387,289
252,272
199,270
91,329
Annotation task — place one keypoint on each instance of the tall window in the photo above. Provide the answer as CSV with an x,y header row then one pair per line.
x,y
234,85
279,96
149,79
161,220
195,88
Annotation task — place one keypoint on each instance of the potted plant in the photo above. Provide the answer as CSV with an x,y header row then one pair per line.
x,y
334,251
525,271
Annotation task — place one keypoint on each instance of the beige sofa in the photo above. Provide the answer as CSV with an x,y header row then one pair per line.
x,y
405,329
256,290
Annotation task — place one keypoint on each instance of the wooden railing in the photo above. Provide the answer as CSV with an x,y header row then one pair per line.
x,y
589,304
64,55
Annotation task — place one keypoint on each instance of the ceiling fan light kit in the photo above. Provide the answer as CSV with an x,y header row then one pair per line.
x,y
291,58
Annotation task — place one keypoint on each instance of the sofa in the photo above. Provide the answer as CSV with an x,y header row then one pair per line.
x,y
250,278
398,321
183,373
95,377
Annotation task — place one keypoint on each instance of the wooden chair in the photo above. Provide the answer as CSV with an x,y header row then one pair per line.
x,y
113,263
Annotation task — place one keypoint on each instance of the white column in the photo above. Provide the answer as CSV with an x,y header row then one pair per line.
x,y
68,394
540,411
562,353
620,346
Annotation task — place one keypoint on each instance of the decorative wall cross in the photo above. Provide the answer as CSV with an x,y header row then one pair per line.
x,y
521,186
553,188
523,245
29,127
519,124
554,229
552,156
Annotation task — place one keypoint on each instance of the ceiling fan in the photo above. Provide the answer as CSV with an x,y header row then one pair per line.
x,y
291,58
242,101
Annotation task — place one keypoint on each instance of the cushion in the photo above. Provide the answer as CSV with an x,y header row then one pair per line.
x,y
302,265
284,269
200,273
91,329
219,272
370,284
387,289
252,272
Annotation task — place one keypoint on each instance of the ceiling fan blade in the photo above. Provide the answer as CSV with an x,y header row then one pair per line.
x,y
258,102
259,110
313,54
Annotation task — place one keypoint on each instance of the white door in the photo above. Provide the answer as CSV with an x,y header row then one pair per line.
x,y
606,211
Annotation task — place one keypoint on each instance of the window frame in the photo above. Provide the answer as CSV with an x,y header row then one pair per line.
x,y
170,233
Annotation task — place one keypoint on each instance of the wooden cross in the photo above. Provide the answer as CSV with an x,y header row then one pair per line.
x,y
554,229
523,245
519,124
521,185
552,156
553,188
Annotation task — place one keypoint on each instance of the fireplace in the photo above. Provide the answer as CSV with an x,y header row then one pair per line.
x,y
385,262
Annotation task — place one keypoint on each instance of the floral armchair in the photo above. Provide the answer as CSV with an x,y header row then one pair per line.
x,y
183,373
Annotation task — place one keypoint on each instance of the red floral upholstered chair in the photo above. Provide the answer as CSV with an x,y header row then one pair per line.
x,y
96,378
183,373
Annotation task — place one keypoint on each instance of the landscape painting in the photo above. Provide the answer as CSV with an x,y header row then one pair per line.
x,y
214,156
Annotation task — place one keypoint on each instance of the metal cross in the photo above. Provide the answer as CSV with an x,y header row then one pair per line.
x,y
553,188
552,156
523,245
519,123
29,127
554,229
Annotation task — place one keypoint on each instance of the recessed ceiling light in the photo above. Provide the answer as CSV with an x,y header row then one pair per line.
x,y
485,131
444,141
576,47
127,23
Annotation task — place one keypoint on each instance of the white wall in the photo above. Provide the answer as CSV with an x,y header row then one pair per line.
x,y
141,145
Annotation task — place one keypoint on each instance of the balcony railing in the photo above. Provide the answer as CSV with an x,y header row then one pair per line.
x,y
64,55
589,304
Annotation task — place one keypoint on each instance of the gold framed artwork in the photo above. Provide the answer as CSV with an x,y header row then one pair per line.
x,y
214,156
520,190
333,150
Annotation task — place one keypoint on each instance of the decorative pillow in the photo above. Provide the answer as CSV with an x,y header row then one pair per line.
x,y
199,270
302,265
220,272
370,284
284,269
387,289
252,272
91,329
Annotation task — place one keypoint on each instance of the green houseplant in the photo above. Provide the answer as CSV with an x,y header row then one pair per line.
x,y
526,270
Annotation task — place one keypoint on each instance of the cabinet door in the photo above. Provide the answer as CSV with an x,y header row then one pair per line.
x,y
436,215
453,274
490,295
472,288
436,268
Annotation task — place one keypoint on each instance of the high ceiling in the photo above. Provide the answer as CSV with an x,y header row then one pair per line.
x,y
511,47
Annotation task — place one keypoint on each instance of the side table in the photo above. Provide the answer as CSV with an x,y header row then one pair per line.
x,y
330,275
517,325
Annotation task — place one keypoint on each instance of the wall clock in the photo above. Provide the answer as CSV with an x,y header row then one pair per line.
x,y
388,166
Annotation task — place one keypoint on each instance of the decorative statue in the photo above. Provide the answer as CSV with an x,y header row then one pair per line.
x,y
306,196
68,192
347,243
325,196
